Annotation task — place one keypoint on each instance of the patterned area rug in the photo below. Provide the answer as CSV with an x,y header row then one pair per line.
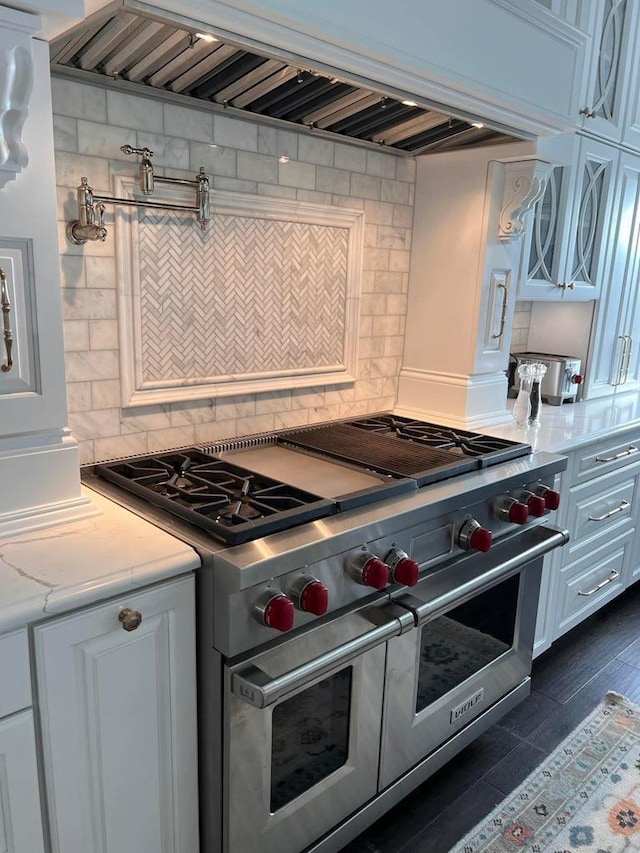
x,y
585,797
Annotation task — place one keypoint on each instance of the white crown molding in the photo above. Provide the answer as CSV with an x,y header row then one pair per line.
x,y
140,391
524,183
44,473
16,84
471,402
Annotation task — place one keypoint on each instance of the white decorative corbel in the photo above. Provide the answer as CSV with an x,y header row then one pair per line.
x,y
524,183
16,83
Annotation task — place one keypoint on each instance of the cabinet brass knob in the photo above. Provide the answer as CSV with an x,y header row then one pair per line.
x,y
129,618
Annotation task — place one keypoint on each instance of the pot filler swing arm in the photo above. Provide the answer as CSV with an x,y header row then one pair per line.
x,y
90,226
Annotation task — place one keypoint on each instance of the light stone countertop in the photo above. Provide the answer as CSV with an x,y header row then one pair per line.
x,y
567,427
49,571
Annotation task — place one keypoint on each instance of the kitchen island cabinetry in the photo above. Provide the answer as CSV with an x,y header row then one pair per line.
x,y
118,713
600,507
566,239
20,815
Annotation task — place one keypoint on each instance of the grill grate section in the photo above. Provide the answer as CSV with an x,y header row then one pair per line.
x,y
381,454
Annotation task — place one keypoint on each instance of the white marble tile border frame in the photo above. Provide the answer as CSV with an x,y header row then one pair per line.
x,y
138,392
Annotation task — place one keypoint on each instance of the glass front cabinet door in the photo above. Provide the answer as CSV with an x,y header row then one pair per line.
x,y
610,75
566,239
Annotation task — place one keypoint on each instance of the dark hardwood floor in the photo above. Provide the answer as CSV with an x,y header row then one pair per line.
x,y
568,681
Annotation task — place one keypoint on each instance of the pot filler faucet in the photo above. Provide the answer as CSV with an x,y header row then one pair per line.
x,y
90,222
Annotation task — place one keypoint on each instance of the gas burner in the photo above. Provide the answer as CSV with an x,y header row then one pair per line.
x,y
230,502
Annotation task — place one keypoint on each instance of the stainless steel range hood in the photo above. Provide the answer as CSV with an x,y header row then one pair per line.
x,y
129,47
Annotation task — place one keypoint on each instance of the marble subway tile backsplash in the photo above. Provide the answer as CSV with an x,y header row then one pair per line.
x,y
90,126
521,323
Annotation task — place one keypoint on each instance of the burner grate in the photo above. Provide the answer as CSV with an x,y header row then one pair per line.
x,y
487,449
376,452
232,503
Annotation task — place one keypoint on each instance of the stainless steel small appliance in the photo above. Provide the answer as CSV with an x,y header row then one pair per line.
x,y
366,608
561,382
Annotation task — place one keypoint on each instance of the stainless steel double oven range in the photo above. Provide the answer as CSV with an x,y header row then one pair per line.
x,y
367,605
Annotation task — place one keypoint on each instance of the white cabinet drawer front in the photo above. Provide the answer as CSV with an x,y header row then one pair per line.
x,y
604,457
119,725
595,510
594,580
15,681
20,815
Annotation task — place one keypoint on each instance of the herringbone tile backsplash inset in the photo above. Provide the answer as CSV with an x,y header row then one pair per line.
x,y
247,296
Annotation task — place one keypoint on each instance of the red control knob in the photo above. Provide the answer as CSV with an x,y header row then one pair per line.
x,y
474,537
550,496
314,598
406,572
576,379
279,612
510,509
480,539
518,513
537,506
375,573
535,503
367,569
403,569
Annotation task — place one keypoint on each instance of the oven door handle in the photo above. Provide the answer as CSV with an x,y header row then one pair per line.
x,y
255,687
545,539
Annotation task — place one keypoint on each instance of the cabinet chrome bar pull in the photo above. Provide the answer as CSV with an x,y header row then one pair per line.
x,y
6,321
623,356
628,359
628,452
623,505
612,577
503,313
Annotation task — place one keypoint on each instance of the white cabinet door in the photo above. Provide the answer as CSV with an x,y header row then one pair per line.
x,y
614,24
545,245
631,129
568,238
18,342
20,815
590,219
614,362
118,712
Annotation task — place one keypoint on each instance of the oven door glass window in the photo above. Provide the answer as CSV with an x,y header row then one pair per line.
x,y
455,646
310,737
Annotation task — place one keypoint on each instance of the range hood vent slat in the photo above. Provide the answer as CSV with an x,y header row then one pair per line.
x,y
158,58
235,68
